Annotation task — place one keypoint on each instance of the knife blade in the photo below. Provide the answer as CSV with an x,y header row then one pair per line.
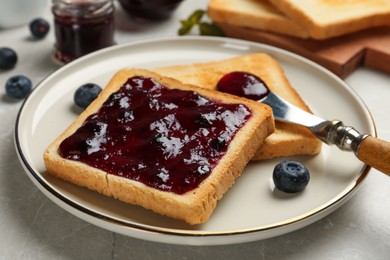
x,y
370,150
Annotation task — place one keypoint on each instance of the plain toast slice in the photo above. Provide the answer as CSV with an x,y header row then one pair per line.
x,y
194,205
324,19
288,139
254,14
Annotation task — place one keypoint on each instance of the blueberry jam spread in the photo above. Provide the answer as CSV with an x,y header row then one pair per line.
x,y
243,84
168,139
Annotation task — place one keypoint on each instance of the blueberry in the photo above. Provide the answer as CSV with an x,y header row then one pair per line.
x,y
39,28
291,176
85,94
18,86
8,58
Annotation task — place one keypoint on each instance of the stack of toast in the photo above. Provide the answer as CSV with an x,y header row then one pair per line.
x,y
316,19
341,35
257,139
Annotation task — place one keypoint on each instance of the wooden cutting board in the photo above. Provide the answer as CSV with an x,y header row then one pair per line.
x,y
341,55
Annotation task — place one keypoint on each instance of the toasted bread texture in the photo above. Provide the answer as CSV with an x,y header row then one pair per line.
x,y
194,206
254,14
288,139
324,19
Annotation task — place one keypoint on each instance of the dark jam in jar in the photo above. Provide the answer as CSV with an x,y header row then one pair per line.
x,y
168,139
81,27
150,9
243,84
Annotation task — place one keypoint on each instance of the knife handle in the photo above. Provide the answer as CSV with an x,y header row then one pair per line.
x,y
376,153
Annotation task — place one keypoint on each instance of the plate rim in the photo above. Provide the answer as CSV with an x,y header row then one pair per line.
x,y
311,216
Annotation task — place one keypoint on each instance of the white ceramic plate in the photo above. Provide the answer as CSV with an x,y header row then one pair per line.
x,y
251,209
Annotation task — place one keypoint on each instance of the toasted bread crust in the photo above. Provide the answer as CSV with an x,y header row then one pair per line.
x,y
288,139
195,206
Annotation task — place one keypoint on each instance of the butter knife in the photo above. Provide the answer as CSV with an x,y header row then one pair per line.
x,y
370,150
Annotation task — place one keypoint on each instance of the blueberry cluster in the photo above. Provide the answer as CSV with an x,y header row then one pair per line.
x,y
19,86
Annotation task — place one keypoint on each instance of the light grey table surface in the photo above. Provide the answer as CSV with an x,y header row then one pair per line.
x,y
33,227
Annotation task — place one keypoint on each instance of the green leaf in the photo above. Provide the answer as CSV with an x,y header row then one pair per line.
x,y
196,16
186,23
210,29
185,28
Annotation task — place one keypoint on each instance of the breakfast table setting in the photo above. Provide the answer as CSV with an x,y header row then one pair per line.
x,y
343,212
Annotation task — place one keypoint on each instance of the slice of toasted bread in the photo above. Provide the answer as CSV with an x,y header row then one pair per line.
x,y
255,14
288,139
195,204
324,19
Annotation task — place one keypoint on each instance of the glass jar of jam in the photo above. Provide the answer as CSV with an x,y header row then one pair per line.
x,y
81,27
